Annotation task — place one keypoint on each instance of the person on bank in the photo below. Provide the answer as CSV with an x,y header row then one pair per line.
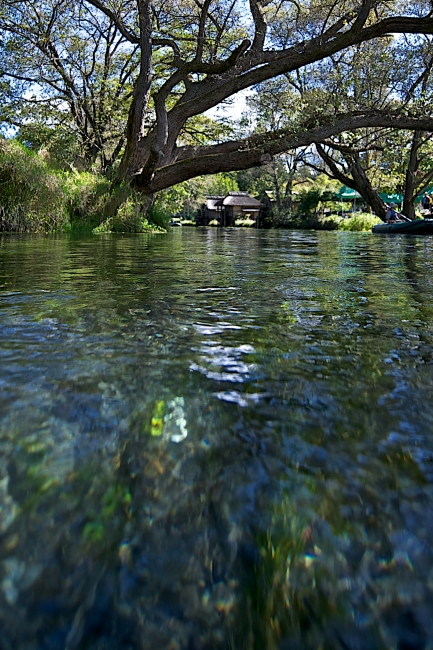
x,y
426,201
392,216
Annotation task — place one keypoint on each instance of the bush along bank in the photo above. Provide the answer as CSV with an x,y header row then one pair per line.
x,y
32,196
36,198
357,223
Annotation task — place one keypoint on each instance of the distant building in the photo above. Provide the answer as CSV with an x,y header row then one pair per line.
x,y
235,205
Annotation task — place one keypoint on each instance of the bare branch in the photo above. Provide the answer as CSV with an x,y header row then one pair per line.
x,y
256,8
351,150
132,38
202,31
330,162
221,66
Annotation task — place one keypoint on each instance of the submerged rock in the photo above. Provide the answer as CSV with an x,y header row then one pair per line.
x,y
175,421
8,507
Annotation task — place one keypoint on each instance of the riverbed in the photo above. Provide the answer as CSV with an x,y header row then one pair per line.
x,y
216,439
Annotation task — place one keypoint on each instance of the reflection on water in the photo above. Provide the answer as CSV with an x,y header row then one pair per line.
x,y
216,439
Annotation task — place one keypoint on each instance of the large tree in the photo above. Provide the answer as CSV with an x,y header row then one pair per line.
x,y
70,73
194,54
214,63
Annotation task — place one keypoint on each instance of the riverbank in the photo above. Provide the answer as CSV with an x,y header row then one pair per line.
x,y
37,198
356,223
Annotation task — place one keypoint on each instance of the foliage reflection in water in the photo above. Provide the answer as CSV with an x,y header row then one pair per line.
x,y
216,439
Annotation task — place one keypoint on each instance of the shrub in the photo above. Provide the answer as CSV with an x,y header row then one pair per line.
x,y
158,215
277,218
359,222
309,202
246,223
32,196
128,218
86,198
312,222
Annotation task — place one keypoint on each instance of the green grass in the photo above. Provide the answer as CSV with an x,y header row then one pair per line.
x,y
245,223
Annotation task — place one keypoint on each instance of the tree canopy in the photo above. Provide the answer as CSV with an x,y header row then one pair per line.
x,y
135,77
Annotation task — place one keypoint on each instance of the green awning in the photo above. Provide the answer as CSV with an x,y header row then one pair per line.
x,y
391,198
347,194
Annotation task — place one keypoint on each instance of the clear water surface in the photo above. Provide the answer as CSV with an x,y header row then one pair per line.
x,y
216,440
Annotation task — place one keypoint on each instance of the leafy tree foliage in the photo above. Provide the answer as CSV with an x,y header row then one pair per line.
x,y
70,75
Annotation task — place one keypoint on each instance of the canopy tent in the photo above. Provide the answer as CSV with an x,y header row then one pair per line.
x,y
346,194
391,198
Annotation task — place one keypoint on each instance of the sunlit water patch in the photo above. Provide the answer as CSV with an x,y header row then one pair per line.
x,y
216,439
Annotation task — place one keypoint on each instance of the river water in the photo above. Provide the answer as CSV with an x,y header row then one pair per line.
x,y
216,440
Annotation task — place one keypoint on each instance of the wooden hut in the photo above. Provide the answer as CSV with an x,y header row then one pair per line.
x,y
213,208
235,205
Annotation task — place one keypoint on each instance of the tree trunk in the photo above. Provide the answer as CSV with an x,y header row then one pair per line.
x,y
363,186
288,194
134,158
276,185
410,182
358,181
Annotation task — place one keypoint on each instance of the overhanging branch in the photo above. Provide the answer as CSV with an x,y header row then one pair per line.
x,y
259,149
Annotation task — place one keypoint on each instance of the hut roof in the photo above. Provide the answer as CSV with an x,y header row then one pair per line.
x,y
213,201
242,199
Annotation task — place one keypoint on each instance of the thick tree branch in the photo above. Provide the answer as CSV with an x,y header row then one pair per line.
x,y
253,68
362,17
202,31
330,162
259,149
135,130
273,63
256,8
